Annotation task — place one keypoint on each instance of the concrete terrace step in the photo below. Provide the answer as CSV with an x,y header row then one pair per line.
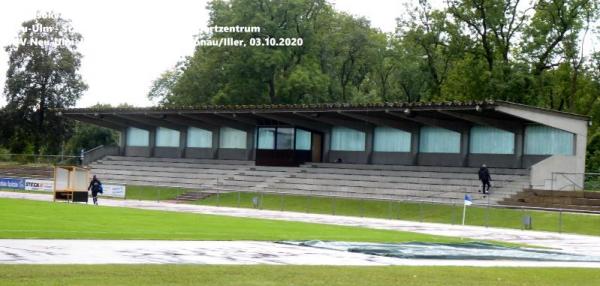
x,y
179,160
383,181
184,176
471,170
266,171
164,169
177,166
363,185
135,164
436,184
338,181
365,191
391,187
423,174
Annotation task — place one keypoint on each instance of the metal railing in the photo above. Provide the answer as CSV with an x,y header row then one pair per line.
x,y
485,213
98,152
20,159
575,181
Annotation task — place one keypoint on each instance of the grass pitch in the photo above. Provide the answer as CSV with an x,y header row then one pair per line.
x,y
425,212
451,214
34,219
290,275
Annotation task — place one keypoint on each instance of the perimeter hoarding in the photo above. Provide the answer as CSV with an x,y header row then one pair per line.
x,y
12,183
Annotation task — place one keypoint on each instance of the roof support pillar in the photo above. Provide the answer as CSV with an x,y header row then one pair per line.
x,y
182,142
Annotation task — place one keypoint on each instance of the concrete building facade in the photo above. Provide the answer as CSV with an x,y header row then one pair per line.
x,y
496,133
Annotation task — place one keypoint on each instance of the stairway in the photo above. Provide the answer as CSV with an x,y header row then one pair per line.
x,y
574,200
381,182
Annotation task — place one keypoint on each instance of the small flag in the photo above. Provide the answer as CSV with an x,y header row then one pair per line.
x,y
468,200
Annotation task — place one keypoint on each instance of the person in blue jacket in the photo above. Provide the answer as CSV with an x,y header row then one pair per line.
x,y
96,187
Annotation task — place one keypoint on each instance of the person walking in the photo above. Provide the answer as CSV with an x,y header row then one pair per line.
x,y
485,178
96,187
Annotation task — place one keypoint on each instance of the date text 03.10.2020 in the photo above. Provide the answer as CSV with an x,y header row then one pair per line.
x,y
276,42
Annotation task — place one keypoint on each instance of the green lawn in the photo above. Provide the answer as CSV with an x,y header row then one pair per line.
x,y
34,219
153,193
480,216
290,275
145,193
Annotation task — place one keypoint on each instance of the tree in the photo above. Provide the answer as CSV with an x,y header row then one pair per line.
x,y
87,136
162,87
551,47
43,76
332,64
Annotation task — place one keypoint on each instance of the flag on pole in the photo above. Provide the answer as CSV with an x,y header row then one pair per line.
x,y
468,200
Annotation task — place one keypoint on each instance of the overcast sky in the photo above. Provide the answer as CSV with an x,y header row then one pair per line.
x,y
128,44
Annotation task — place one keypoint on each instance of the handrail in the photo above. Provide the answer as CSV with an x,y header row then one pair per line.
x,y
34,155
572,183
93,149
459,201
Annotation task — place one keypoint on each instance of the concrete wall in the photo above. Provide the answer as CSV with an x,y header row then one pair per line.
x,y
200,153
393,158
530,160
167,152
542,171
233,154
351,157
494,160
134,151
440,159
556,173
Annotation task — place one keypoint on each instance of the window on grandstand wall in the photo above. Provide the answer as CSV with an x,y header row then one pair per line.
x,y
199,138
303,139
230,138
285,138
266,138
137,137
545,140
489,140
439,140
166,137
391,140
346,139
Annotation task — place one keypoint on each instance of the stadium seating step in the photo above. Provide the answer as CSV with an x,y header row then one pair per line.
x,y
435,184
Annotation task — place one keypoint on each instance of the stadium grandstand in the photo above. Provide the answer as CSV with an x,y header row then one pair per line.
x,y
386,150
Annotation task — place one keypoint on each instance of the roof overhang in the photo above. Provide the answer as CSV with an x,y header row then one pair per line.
x,y
500,114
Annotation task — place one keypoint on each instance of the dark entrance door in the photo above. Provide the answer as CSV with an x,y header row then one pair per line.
x,y
317,147
286,146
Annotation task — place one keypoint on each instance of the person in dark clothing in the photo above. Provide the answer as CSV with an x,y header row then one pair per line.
x,y
485,178
96,187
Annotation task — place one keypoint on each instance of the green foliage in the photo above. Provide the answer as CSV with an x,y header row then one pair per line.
x,y
333,63
87,136
42,76
593,154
